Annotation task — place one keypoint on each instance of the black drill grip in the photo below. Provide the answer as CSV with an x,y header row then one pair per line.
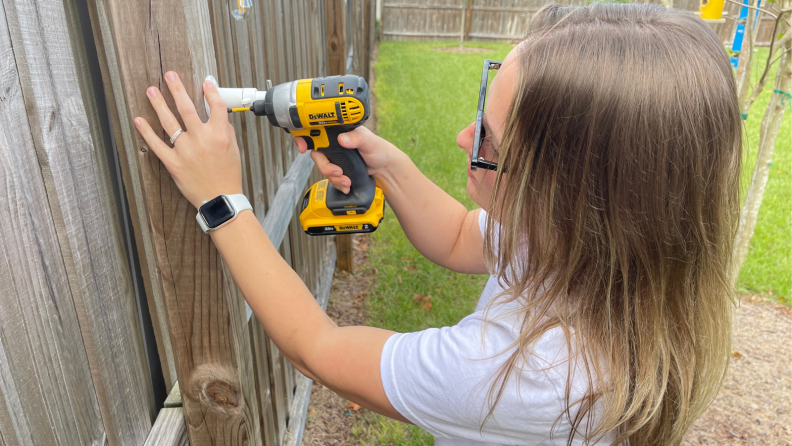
x,y
349,160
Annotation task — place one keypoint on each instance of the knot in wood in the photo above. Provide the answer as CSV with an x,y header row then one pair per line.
x,y
223,394
215,388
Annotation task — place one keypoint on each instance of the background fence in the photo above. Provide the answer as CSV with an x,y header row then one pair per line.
x,y
503,20
112,298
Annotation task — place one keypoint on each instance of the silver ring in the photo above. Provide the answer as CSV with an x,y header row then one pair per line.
x,y
175,135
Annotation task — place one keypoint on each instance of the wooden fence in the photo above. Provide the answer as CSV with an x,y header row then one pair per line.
x,y
503,20
112,297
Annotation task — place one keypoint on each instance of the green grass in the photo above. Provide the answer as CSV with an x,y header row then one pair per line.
x,y
424,98
768,268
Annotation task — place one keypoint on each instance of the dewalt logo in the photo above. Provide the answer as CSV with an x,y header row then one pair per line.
x,y
322,116
348,228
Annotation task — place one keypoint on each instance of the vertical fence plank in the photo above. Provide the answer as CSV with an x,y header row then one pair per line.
x,y
334,37
206,314
336,45
45,381
58,95
142,232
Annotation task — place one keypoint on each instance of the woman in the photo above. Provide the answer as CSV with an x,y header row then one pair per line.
x,y
607,225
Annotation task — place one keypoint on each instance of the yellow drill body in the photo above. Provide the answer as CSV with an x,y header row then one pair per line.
x,y
318,110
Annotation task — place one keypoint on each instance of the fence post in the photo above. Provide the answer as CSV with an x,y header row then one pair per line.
x,y
205,311
465,26
336,57
469,18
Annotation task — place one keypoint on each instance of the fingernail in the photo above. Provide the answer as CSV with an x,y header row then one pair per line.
x,y
151,92
138,122
343,139
170,76
208,85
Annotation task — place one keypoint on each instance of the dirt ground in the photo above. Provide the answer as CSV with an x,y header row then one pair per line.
x,y
754,406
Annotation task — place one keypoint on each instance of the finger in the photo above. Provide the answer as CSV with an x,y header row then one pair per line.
x,y
219,115
302,146
184,104
354,139
331,171
168,121
158,146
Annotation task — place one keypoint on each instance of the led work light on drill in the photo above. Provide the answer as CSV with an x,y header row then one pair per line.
x,y
319,110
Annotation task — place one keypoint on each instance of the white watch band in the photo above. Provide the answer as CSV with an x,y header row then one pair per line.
x,y
239,203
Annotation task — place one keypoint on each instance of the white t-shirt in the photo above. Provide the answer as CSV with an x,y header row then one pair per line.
x,y
439,379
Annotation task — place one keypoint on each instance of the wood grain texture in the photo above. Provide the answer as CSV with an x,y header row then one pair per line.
x,y
334,37
335,46
299,409
58,95
123,138
174,398
169,429
205,311
48,397
264,383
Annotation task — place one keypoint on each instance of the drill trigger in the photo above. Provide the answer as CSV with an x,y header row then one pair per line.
x,y
309,141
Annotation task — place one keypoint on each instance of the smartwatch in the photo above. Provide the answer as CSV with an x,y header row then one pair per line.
x,y
220,210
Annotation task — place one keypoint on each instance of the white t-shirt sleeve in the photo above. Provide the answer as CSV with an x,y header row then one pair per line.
x,y
440,379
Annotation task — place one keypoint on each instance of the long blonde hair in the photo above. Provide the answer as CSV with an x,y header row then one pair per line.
x,y
623,149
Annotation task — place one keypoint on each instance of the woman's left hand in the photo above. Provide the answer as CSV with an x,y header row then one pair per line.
x,y
204,161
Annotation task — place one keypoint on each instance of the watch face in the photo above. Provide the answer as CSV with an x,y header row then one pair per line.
x,y
217,211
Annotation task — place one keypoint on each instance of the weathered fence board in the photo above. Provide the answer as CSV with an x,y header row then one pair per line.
x,y
56,87
123,136
169,429
205,313
71,336
45,381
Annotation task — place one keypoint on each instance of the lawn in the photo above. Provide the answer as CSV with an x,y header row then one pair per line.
x,y
424,98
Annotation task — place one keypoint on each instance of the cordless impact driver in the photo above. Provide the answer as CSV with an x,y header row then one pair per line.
x,y
318,110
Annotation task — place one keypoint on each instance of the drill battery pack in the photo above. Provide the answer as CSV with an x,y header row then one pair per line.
x,y
318,217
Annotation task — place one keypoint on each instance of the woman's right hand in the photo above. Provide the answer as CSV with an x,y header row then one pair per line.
x,y
375,151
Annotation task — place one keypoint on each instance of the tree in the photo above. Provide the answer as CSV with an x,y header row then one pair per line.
x,y
780,48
